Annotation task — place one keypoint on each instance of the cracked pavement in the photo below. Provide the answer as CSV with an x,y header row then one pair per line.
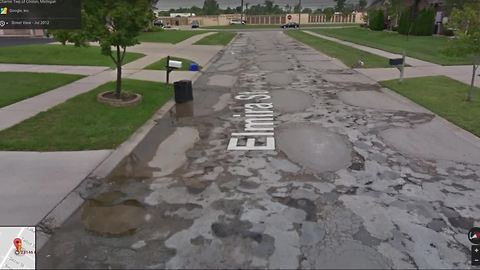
x,y
359,178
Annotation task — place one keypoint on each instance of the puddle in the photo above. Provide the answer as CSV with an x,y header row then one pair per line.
x,y
136,164
113,220
291,100
170,155
222,80
184,110
315,147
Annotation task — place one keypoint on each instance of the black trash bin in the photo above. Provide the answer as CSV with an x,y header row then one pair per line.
x,y
183,91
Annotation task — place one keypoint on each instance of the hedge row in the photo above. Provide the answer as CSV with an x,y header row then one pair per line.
x,y
422,25
376,20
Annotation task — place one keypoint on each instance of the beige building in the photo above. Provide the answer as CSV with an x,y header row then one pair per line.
x,y
22,32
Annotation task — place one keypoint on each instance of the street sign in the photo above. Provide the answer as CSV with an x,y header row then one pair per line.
x,y
289,17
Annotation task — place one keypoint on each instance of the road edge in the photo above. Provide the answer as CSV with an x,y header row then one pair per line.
x,y
74,200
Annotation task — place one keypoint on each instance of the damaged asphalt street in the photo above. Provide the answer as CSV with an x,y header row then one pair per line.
x,y
358,178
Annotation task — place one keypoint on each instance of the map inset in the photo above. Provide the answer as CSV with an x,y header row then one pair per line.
x,y
17,247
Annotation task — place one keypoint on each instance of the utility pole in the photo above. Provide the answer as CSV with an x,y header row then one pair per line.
x,y
299,12
241,15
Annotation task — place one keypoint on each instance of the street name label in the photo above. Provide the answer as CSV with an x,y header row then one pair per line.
x,y
258,123
17,247
40,14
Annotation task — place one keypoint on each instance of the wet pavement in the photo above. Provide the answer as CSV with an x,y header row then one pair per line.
x,y
344,188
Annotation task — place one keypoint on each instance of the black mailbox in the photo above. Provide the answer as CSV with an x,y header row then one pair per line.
x,y
183,91
396,61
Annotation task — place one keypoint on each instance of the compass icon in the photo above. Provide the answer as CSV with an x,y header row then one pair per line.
x,y
474,235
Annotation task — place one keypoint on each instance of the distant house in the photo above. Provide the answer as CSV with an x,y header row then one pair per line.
x,y
22,32
181,15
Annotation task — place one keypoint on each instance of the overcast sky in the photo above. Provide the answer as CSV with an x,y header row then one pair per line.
x,y
168,4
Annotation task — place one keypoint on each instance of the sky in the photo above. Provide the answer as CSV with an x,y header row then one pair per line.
x,y
314,4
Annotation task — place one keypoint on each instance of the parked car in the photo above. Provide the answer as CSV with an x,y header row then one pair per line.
x,y
237,22
290,25
195,24
158,23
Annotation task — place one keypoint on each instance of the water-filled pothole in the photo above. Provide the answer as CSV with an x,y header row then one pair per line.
x,y
102,217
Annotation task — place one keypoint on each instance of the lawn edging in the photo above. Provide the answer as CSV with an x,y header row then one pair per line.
x,y
74,199
464,134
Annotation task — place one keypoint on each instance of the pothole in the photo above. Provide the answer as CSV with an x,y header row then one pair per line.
x,y
291,100
113,220
315,147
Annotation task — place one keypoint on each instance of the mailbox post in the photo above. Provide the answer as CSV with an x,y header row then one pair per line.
x,y
399,63
171,66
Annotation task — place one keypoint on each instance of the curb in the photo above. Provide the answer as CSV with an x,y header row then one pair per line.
x,y
74,200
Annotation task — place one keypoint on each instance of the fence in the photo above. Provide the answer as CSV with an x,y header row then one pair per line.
x,y
304,18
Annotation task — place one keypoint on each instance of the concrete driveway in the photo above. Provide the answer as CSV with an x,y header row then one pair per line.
x,y
355,177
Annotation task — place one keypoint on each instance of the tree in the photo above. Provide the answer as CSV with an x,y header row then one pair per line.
x,y
288,8
297,8
362,4
268,6
348,9
451,4
340,5
210,7
114,24
328,13
466,21
318,11
307,10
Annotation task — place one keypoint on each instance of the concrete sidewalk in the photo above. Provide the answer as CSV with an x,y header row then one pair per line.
x,y
409,60
33,183
419,68
77,70
459,73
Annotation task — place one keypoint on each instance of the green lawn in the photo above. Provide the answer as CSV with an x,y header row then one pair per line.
x,y
82,123
60,55
346,54
160,65
424,48
23,85
443,96
221,38
270,26
168,36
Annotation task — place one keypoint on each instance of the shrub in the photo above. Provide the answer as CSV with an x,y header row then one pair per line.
x,y
404,22
423,25
376,20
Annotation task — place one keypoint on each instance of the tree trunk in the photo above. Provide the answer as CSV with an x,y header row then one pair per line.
x,y
119,61
472,85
